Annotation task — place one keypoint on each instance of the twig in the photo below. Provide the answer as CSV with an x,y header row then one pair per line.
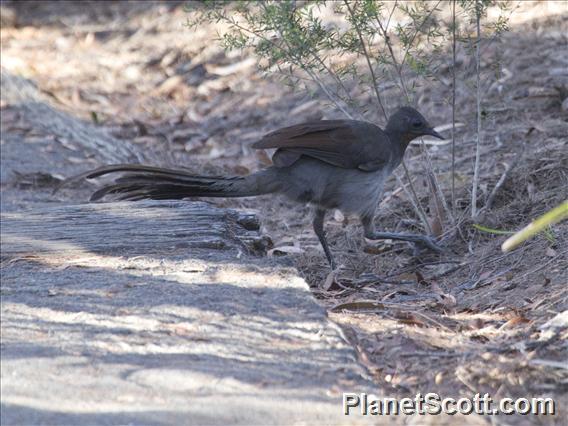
x,y
478,98
447,272
323,87
390,14
439,354
413,197
371,70
454,107
417,31
433,321
299,63
465,381
436,191
315,55
397,67
433,181
549,363
499,184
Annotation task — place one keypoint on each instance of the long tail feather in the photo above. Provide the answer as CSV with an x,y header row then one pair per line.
x,y
137,182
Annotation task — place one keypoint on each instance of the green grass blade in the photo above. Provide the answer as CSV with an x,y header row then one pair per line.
x,y
553,216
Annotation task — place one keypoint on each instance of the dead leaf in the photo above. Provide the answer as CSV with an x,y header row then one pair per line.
x,y
537,92
185,134
439,378
445,299
358,305
517,319
67,144
231,68
285,250
330,283
169,85
263,157
409,319
240,170
420,278
338,216
376,248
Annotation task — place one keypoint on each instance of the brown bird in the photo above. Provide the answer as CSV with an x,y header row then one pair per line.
x,y
330,164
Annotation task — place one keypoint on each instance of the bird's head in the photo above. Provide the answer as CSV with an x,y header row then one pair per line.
x,y
409,124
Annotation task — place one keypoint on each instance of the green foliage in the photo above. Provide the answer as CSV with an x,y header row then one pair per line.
x,y
491,230
291,39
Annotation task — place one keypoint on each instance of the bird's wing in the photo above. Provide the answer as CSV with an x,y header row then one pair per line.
x,y
348,144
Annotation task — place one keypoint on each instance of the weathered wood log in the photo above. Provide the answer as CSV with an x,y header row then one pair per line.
x,y
147,311
126,228
36,108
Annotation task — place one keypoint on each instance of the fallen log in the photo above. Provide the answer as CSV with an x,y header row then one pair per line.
x,y
130,229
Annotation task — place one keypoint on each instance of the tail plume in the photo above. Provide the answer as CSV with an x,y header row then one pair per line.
x,y
138,182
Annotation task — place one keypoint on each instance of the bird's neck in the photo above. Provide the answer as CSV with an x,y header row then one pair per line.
x,y
399,140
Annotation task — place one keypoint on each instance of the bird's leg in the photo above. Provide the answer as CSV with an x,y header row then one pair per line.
x,y
318,229
421,241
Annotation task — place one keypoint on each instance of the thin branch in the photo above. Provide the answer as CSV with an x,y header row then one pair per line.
x,y
371,70
417,31
434,185
499,184
317,58
478,144
436,191
296,61
390,15
324,88
414,200
312,75
454,107
397,67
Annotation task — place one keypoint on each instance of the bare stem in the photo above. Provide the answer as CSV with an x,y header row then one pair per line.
x,y
435,188
414,200
390,14
371,70
397,67
454,107
478,96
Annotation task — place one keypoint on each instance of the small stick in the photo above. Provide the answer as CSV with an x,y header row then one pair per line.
x,y
478,11
500,182
454,107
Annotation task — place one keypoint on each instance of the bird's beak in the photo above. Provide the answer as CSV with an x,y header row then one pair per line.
x,y
434,133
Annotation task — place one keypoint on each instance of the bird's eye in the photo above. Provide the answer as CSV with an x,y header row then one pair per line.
x,y
416,124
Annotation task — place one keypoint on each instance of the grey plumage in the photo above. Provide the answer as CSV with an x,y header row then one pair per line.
x,y
330,164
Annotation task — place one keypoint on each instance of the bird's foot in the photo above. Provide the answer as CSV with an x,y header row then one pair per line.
x,y
427,243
